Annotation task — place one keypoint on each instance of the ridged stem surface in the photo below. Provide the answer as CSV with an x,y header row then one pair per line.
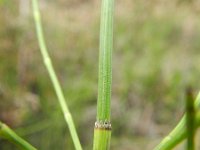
x,y
105,60
102,131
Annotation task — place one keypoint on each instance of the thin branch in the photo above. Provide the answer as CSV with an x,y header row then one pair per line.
x,y
52,74
179,133
10,135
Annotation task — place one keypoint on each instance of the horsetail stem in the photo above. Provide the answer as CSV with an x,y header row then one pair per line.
x,y
102,131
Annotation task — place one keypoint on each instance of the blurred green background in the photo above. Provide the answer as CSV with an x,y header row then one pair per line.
x,y
156,56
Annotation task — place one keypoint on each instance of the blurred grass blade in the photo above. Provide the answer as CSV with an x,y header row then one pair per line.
x,y
54,79
102,131
179,133
190,119
10,135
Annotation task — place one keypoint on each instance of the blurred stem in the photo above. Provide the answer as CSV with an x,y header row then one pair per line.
x,y
102,132
11,136
102,139
54,79
179,133
190,120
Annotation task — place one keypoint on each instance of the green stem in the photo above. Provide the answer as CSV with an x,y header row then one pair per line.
x,y
10,135
102,139
179,132
54,79
190,120
102,131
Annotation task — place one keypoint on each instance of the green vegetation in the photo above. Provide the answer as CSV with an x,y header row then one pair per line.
x,y
102,131
57,87
185,128
10,135
190,120
156,54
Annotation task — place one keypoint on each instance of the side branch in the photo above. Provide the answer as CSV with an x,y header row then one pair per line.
x,y
10,135
53,77
179,133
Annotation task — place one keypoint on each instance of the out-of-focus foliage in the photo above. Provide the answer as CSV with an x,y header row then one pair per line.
x,y
156,55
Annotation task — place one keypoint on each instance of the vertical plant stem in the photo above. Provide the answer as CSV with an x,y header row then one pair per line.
x,y
190,120
102,131
11,136
52,74
179,133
